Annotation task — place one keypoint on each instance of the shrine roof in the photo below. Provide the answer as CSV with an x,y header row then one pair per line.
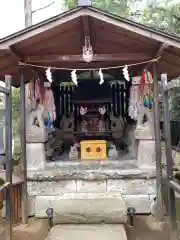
x,y
58,42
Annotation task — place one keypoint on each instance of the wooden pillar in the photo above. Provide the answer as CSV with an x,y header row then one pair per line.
x,y
159,195
8,124
169,161
34,83
24,199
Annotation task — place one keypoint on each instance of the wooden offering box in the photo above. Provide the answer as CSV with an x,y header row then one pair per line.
x,y
93,150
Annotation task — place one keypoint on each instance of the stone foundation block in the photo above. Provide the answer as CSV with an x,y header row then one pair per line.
x,y
132,187
88,232
83,208
49,188
141,203
90,172
31,206
91,186
35,155
146,152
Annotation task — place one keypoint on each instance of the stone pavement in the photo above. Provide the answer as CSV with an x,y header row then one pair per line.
x,y
87,232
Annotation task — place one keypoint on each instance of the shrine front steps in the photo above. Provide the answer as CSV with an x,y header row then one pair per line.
x,y
84,208
87,232
90,194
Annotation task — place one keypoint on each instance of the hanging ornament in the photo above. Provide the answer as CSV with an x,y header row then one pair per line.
x,y
146,87
83,110
102,110
74,77
101,77
146,78
49,75
87,50
126,73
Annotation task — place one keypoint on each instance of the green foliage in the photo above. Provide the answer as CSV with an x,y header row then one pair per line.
x,y
163,15
175,104
122,8
157,13
70,4
16,122
1,181
16,111
15,118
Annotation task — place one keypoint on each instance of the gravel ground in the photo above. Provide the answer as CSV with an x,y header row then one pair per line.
x,y
146,228
36,230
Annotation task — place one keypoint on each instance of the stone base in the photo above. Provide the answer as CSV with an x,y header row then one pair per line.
x,y
83,208
37,136
88,232
71,195
146,152
35,155
69,186
125,187
90,170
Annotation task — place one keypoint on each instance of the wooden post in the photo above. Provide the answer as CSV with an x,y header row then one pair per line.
x,y
24,199
159,195
169,162
8,124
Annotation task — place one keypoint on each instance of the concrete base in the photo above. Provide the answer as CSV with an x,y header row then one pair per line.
x,y
88,232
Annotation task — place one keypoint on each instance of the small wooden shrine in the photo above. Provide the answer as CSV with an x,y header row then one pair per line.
x,y
114,113
94,108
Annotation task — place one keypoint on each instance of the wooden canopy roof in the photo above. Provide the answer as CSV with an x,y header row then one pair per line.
x,y
59,41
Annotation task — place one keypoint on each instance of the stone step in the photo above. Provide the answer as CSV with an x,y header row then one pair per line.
x,y
83,208
91,171
123,186
87,232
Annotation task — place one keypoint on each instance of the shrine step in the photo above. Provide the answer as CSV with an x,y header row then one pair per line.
x,y
73,181
83,208
88,232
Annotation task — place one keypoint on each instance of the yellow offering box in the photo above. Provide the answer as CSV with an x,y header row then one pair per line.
x,y
94,150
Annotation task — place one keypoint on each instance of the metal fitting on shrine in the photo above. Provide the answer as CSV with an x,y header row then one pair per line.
x,y
131,213
50,213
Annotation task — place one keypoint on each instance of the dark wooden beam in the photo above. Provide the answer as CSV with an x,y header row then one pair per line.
x,y
86,28
85,31
161,49
96,58
159,52
16,53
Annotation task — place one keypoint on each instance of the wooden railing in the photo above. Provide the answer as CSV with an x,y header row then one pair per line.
x,y
6,188
173,185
